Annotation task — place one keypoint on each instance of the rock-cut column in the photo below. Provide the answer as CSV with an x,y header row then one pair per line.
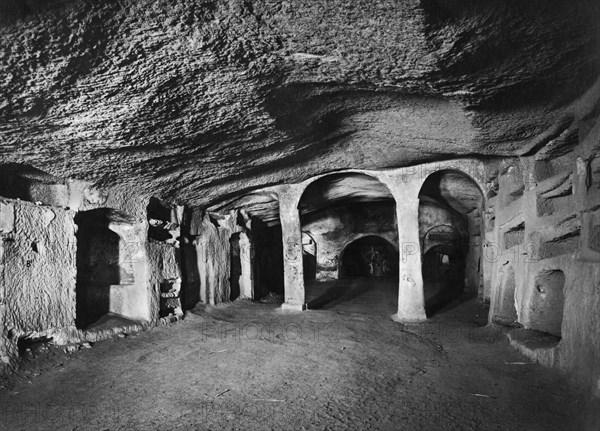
x,y
247,262
411,299
293,274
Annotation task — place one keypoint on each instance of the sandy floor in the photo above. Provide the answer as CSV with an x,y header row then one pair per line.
x,y
345,366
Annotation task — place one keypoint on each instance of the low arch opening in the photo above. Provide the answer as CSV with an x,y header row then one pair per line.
x,y
370,256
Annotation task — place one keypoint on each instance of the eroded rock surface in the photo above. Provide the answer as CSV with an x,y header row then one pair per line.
x,y
196,100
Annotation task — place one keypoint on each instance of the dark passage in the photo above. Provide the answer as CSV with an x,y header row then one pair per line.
x,y
268,260
236,266
370,256
443,277
97,267
309,256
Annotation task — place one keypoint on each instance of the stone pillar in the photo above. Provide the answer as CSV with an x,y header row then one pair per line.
x,y
411,298
247,262
293,274
132,299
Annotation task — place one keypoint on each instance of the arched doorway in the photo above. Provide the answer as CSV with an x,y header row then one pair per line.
x,y
451,234
351,218
369,256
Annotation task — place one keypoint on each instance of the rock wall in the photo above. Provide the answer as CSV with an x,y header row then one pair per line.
x,y
164,263
133,299
213,234
542,242
38,271
39,266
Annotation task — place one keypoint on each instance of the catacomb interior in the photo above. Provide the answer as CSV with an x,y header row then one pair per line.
x,y
362,172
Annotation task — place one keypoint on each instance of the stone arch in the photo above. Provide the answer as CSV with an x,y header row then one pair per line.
x,y
468,168
390,267
382,177
452,191
291,200
448,232
458,170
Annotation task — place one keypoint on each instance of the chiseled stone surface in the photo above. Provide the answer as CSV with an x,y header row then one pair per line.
x,y
39,270
213,251
163,264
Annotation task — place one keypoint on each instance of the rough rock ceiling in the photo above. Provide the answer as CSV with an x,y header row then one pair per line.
x,y
198,101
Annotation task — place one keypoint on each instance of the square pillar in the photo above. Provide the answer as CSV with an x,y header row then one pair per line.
x,y
411,298
247,261
293,273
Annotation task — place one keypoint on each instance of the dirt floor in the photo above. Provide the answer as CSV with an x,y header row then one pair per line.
x,y
249,365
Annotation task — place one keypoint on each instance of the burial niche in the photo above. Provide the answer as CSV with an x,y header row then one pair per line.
x,y
548,302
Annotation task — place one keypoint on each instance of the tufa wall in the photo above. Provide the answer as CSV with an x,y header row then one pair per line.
x,y
543,243
38,272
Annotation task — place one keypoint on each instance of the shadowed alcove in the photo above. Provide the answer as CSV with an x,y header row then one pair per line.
x,y
107,260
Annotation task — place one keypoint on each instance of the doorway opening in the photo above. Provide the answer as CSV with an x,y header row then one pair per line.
x,y
350,234
107,260
370,256
309,256
235,267
450,229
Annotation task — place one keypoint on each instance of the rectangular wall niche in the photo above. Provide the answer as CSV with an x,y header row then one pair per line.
x,y
103,270
567,243
506,312
548,302
514,236
555,196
